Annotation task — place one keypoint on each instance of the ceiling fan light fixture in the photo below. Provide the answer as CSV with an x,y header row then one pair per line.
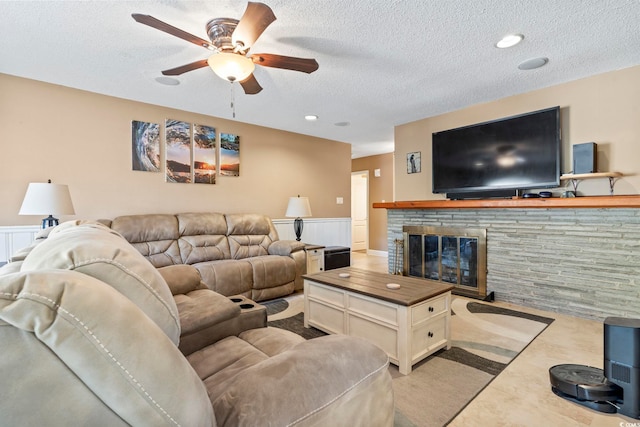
x,y
231,66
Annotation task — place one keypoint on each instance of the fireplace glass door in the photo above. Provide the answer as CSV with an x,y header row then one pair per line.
x,y
455,256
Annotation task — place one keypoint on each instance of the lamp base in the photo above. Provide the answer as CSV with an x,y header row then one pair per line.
x,y
50,221
297,227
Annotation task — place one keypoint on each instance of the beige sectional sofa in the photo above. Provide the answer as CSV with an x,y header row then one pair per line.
x,y
236,254
92,334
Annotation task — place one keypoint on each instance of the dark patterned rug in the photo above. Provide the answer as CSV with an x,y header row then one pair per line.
x,y
485,339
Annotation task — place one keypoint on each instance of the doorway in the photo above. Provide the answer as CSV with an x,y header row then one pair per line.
x,y
360,210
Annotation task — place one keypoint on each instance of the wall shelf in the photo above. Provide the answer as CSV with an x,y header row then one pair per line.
x,y
576,178
632,201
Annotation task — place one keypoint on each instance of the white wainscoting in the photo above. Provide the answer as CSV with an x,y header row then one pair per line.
x,y
15,237
317,231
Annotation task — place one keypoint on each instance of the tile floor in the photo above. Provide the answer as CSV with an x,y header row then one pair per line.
x,y
521,394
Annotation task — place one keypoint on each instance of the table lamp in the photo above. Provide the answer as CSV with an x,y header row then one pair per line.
x,y
298,208
47,199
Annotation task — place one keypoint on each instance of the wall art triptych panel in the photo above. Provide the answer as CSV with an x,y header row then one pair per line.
x,y
204,154
178,151
192,152
229,154
145,146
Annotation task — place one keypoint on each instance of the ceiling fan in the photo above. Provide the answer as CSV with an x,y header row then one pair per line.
x,y
231,40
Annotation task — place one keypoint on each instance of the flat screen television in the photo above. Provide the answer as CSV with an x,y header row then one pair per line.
x,y
499,157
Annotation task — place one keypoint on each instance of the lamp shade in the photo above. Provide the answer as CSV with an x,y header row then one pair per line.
x,y
298,207
231,66
47,199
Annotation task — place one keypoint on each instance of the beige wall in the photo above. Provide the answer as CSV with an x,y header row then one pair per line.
x,y
380,190
604,109
84,140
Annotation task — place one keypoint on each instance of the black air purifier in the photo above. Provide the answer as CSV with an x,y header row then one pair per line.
x,y
622,361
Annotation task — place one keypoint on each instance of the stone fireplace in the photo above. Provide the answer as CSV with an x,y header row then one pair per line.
x,y
457,256
580,261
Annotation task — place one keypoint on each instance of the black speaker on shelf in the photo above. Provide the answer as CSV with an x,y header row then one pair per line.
x,y
622,361
584,158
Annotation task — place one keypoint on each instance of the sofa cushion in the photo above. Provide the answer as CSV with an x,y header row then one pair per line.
x,y
98,252
227,276
249,235
203,237
272,270
331,380
71,357
11,267
155,236
218,364
181,278
73,224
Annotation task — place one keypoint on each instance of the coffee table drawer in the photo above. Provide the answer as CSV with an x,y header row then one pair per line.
x,y
375,309
429,309
326,294
428,336
383,336
328,318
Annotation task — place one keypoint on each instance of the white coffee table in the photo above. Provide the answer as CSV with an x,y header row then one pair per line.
x,y
408,323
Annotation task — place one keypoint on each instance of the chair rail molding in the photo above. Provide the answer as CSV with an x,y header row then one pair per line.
x,y
318,231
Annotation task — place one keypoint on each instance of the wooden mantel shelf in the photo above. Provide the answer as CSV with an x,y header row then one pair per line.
x,y
552,202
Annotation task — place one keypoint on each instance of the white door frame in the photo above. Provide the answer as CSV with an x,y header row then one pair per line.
x,y
354,199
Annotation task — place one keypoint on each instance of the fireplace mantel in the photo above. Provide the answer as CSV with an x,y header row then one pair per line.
x,y
632,201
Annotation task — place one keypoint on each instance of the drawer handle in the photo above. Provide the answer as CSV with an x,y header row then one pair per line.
x,y
430,334
430,309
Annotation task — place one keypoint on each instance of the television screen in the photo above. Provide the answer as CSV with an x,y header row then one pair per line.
x,y
500,156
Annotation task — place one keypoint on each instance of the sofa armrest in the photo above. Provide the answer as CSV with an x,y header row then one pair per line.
x,y
202,313
205,315
285,247
181,278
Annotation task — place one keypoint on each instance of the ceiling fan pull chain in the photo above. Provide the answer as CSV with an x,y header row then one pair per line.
x,y
233,101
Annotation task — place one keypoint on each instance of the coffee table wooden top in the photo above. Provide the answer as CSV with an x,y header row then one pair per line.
x,y
412,290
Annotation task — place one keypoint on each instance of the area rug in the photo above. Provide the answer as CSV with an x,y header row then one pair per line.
x,y
485,339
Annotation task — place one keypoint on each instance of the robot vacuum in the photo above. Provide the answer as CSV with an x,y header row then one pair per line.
x,y
586,386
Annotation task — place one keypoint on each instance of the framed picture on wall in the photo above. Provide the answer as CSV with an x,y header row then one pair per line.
x,y
204,154
413,162
145,146
229,154
178,151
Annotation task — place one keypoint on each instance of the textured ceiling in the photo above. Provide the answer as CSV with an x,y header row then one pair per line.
x,y
382,62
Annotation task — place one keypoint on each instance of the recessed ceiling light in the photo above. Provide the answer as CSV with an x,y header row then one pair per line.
x,y
532,64
311,117
342,124
169,81
509,40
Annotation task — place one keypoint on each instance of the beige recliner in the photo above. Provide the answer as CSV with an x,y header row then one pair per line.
x,y
90,334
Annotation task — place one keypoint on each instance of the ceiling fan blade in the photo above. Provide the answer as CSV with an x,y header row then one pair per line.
x,y
170,29
255,20
185,68
251,85
306,65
